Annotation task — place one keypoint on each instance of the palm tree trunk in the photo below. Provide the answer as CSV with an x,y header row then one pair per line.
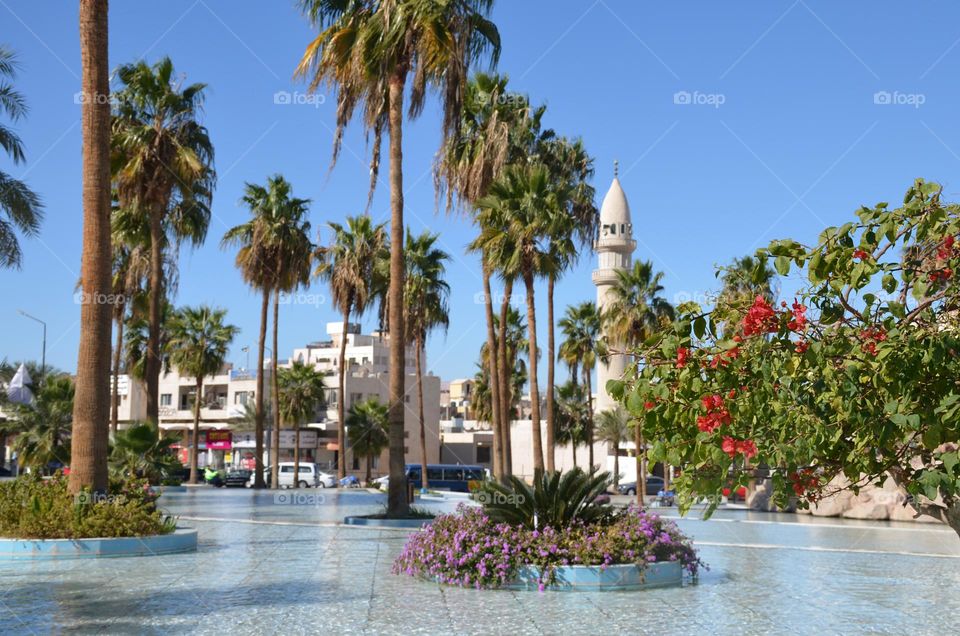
x,y
152,354
493,375
573,447
534,387
551,445
616,466
342,401
587,380
505,375
91,404
423,429
369,468
296,454
258,481
641,468
275,398
115,404
397,495
195,446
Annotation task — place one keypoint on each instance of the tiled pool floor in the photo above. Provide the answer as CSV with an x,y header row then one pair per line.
x,y
264,566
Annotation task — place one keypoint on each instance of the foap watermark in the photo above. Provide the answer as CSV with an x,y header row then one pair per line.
x,y
303,298
497,298
696,98
83,97
297,498
700,297
297,98
84,498
896,98
494,497
502,99
98,298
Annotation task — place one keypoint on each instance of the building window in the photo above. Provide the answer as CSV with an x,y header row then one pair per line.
x,y
483,454
243,397
166,399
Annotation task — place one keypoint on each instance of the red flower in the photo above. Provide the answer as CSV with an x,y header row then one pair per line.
x,y
760,318
682,354
747,447
799,320
941,274
716,415
732,394
945,250
861,255
802,346
648,405
870,337
729,446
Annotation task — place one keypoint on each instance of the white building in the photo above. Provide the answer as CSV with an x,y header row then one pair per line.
x,y
614,246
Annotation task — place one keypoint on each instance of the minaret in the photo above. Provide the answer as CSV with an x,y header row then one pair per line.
x,y
614,246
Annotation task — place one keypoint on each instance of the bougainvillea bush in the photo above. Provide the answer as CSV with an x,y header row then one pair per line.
x,y
469,549
858,376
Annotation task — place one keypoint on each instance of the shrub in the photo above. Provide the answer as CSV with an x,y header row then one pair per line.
x,y
36,508
470,549
555,499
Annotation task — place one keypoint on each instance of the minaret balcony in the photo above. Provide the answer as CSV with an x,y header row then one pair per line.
x,y
615,244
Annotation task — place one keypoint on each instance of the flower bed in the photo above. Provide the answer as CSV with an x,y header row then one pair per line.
x,y
470,550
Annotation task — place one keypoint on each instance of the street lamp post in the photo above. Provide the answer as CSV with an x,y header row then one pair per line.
x,y
43,354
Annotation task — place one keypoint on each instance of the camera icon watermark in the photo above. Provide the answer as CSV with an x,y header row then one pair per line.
x,y
896,98
696,98
297,498
297,98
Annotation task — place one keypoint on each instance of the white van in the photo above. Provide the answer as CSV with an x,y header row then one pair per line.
x,y
309,477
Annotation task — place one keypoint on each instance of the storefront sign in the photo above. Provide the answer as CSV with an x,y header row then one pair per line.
x,y
219,440
308,439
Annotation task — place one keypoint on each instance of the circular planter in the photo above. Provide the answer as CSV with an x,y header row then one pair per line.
x,y
591,578
181,540
387,523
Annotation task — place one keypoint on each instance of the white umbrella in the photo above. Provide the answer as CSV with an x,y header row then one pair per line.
x,y
18,391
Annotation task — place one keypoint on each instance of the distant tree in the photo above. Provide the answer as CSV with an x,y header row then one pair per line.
x,y
367,425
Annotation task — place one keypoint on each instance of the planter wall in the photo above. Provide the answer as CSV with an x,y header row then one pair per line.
x,y
587,578
387,523
182,540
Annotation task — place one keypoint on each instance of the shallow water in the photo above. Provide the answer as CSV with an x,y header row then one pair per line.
x,y
267,564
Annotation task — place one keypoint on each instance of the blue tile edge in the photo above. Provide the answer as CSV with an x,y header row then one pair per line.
x,y
182,540
589,578
386,523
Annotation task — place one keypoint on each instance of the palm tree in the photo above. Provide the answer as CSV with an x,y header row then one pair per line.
x,y
42,426
143,451
575,226
301,394
368,425
516,215
198,347
613,427
426,297
282,238
91,406
369,49
163,171
495,128
580,327
348,265
571,419
131,263
636,312
21,206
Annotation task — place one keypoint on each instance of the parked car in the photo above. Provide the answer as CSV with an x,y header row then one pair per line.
x,y
654,485
349,482
237,477
383,483
310,476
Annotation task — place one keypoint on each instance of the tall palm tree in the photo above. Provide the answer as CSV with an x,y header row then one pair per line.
x,y
91,405
515,216
427,308
42,426
636,311
368,424
163,172
370,49
283,239
348,265
613,427
198,347
301,393
18,203
575,226
580,327
495,128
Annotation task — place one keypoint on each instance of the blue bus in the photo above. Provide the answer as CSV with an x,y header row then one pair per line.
x,y
454,477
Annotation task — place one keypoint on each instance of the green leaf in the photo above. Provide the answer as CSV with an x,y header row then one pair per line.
x,y
889,283
699,327
782,263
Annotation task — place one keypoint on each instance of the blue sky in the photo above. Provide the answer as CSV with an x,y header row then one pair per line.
x,y
799,112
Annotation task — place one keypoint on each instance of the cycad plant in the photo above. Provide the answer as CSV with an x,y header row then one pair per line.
x,y
555,499
142,451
